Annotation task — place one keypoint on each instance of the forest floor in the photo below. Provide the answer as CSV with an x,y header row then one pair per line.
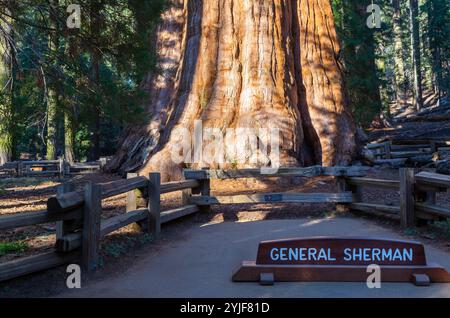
x,y
119,248
399,127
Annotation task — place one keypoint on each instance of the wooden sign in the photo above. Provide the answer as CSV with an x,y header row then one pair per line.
x,y
340,251
340,259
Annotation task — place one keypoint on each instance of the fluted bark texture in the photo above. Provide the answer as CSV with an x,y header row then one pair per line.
x,y
248,64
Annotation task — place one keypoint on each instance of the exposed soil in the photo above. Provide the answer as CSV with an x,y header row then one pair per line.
x,y
123,246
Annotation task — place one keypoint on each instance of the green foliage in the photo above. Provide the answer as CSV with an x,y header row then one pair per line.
x,y
358,55
12,247
53,58
410,232
435,21
82,142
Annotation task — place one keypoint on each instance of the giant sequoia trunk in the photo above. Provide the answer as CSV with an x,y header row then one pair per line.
x,y
244,64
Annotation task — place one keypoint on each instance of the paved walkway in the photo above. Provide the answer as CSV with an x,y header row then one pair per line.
x,y
202,264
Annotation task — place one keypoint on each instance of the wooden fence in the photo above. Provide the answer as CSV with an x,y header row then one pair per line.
x,y
48,168
80,227
417,201
417,191
206,200
401,151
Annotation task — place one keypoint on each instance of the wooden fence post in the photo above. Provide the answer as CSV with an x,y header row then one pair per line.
x,y
186,197
344,186
131,203
91,226
154,201
61,167
387,150
427,196
137,199
204,189
64,227
433,147
103,162
407,214
67,168
19,168
341,187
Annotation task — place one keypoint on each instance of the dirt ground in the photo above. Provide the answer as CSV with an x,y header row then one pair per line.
x,y
410,130
122,247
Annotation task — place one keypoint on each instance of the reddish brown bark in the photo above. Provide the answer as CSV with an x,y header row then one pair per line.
x,y
248,64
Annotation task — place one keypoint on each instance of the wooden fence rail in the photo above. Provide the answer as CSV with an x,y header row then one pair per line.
x,y
46,168
399,151
80,227
417,202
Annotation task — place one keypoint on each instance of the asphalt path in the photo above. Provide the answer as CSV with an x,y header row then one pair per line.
x,y
202,264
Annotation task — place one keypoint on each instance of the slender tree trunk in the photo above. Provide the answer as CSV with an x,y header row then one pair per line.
x,y
437,71
94,153
54,118
399,67
415,48
69,110
95,25
69,137
433,9
245,64
6,89
52,124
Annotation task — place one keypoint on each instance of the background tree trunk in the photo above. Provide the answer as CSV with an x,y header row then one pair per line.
x,y
96,58
415,45
69,137
52,124
6,89
245,64
399,65
436,24
54,118
70,106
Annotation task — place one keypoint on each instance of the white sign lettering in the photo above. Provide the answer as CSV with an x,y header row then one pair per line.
x,y
350,254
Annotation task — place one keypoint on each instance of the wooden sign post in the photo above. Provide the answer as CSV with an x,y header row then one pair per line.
x,y
332,259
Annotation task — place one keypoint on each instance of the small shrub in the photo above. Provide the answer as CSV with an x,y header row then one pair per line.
x,y
12,247
410,232
115,250
146,238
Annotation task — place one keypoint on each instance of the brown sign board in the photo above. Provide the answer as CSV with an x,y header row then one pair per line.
x,y
340,259
340,251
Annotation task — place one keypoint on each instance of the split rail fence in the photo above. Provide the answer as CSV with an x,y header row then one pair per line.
x,y
417,201
401,151
48,168
80,227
